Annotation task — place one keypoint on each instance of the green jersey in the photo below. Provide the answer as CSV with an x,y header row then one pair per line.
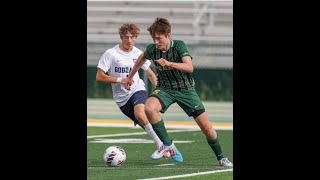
x,y
168,77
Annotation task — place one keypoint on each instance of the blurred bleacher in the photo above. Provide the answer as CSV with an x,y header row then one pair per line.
x,y
205,26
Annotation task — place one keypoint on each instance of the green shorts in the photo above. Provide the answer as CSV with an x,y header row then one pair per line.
x,y
188,100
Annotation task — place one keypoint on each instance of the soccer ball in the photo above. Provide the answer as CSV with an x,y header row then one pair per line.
x,y
114,156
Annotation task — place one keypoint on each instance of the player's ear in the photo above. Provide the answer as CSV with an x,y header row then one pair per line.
x,y
169,35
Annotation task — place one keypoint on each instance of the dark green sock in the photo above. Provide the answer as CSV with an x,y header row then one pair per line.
x,y
162,132
215,146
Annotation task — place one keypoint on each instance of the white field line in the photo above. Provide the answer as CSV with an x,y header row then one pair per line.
x,y
167,126
189,175
165,165
149,168
137,133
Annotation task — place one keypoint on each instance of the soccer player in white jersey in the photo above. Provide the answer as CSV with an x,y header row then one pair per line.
x,y
114,65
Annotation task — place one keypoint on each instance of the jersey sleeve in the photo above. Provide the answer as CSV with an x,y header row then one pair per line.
x,y
147,53
105,61
183,50
146,65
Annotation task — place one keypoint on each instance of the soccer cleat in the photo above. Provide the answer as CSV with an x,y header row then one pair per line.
x,y
225,162
176,155
161,151
166,154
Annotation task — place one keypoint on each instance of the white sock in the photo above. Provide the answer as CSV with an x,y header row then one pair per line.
x,y
148,128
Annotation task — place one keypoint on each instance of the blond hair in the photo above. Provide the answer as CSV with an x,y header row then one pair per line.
x,y
132,28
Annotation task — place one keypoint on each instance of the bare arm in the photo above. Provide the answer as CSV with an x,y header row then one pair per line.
x,y
152,77
185,66
141,60
129,80
101,76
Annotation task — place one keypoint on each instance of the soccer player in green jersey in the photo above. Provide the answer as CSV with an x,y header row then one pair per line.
x,y
175,85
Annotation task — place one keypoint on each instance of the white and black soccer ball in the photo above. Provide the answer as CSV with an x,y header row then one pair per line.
x,y
114,156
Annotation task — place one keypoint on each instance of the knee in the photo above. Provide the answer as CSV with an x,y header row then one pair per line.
x,y
149,110
139,115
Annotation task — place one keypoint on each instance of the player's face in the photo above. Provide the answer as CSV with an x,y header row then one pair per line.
x,y
162,41
128,41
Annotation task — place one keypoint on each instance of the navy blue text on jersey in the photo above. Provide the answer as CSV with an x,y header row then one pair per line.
x,y
122,69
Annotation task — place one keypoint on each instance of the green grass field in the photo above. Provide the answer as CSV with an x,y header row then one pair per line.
x,y
198,156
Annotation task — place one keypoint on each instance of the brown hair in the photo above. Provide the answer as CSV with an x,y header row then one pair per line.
x,y
132,28
160,25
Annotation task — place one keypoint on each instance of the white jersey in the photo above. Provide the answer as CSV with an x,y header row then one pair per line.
x,y
119,63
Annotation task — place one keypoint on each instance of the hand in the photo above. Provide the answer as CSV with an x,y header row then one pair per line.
x,y
127,82
163,62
